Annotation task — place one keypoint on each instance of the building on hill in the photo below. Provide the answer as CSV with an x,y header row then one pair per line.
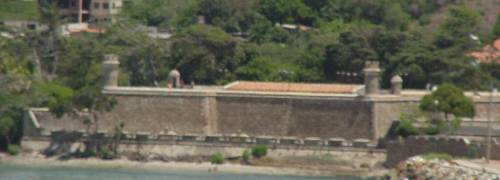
x,y
489,54
89,11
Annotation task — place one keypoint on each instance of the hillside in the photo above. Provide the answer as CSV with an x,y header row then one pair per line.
x,y
18,10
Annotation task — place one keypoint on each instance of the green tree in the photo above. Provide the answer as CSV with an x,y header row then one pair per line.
x,y
496,27
286,11
264,32
457,28
450,100
230,15
47,45
348,55
162,13
6,124
77,91
206,54
144,60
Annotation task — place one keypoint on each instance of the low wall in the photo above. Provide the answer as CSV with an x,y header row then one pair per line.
x,y
400,150
190,145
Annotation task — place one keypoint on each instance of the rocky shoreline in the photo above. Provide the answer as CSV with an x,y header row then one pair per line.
x,y
421,168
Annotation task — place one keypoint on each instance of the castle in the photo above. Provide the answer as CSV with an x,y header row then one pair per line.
x,y
253,109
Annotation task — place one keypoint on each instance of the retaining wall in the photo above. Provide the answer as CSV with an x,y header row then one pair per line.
x,y
402,149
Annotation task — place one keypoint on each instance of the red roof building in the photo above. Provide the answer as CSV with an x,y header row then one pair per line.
x,y
489,53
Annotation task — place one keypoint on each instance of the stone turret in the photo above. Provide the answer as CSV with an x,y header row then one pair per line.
x,y
372,76
396,85
111,70
174,78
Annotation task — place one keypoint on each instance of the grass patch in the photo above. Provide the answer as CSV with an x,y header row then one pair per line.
x,y
18,10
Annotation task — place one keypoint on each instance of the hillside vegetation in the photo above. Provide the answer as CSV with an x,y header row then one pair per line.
x,y
18,10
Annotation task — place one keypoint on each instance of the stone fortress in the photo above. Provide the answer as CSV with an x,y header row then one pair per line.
x,y
293,113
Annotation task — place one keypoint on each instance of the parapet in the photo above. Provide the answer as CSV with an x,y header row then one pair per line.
x,y
372,65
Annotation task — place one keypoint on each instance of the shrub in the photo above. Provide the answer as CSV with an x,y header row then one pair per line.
x,y
434,126
405,128
431,130
106,153
217,158
246,156
259,151
13,149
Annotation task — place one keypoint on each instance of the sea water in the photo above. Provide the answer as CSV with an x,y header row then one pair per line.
x,y
10,172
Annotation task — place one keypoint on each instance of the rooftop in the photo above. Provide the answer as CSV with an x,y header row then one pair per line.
x,y
489,53
293,87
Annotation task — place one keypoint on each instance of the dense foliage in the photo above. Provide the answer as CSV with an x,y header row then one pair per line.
x,y
449,100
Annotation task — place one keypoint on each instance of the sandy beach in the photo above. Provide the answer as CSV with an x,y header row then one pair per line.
x,y
37,160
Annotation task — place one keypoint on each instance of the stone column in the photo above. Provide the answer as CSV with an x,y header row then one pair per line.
x,y
80,11
111,69
372,76
396,85
175,79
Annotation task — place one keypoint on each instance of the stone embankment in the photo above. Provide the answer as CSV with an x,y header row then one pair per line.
x,y
420,168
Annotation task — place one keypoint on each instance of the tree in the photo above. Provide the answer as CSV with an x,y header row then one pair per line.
x,y
77,91
348,55
6,123
162,13
496,28
230,15
457,28
206,54
286,11
47,46
144,60
450,100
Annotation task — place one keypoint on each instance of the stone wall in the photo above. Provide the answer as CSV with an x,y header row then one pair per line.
x,y
228,113
294,117
400,150
216,111
387,112
157,113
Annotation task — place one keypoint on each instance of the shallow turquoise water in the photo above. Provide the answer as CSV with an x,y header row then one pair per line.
x,y
9,172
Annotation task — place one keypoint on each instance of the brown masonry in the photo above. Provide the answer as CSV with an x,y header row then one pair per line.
x,y
274,114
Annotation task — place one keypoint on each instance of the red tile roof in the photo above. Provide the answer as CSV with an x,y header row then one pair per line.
x,y
293,87
488,54
496,44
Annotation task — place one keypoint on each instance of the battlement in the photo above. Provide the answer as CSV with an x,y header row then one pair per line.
x,y
110,58
372,65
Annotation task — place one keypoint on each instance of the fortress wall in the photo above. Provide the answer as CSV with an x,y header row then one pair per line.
x,y
386,112
157,113
253,115
482,108
301,117
226,112
349,119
